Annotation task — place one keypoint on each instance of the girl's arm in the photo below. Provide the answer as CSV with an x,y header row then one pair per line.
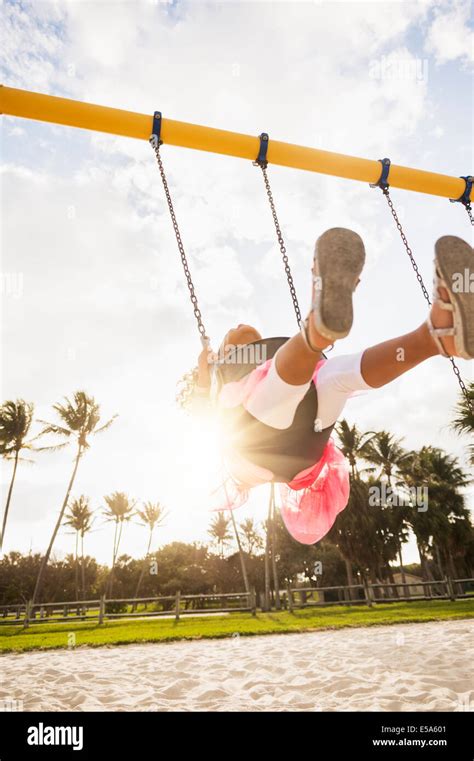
x,y
199,401
204,375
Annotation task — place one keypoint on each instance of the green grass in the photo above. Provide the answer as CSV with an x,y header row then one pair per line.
x,y
50,636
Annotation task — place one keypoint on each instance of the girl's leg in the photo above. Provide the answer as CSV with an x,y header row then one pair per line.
x,y
295,361
378,365
276,400
339,377
338,260
337,380
388,360
382,363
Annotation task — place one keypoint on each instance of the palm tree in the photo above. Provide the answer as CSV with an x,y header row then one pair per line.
x,y
387,531
219,532
353,444
272,518
441,474
80,519
400,526
354,523
79,420
15,421
451,518
353,532
386,452
241,552
464,417
457,536
152,516
251,536
119,510
270,553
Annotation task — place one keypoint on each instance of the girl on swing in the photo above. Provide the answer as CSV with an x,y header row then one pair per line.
x,y
276,417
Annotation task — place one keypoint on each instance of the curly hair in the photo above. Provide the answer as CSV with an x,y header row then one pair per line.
x,y
186,389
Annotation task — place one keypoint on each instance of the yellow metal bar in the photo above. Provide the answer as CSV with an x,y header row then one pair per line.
x,y
48,108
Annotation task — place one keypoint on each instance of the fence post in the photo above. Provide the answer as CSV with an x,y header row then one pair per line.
x,y
253,601
290,598
26,622
367,593
176,607
450,588
101,609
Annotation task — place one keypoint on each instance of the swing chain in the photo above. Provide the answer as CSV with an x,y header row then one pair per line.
x,y
468,208
386,193
456,371
155,144
281,243
462,385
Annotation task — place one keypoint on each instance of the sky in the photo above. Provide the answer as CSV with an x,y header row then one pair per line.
x,y
93,296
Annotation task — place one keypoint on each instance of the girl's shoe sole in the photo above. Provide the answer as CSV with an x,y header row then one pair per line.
x,y
338,261
454,260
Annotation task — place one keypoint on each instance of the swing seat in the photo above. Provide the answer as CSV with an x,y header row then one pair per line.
x,y
284,452
240,361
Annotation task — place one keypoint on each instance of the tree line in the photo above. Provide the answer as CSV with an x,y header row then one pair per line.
x,y
366,542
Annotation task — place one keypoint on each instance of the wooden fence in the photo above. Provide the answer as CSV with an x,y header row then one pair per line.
x,y
370,594
178,605
171,606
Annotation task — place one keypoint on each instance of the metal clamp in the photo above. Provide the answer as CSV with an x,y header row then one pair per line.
x,y
383,180
261,159
156,131
465,198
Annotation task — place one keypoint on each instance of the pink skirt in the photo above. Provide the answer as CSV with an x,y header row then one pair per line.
x,y
311,502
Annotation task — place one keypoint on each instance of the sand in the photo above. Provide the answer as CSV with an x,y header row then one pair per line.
x,y
404,667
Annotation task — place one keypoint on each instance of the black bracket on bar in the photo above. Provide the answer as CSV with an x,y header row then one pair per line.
x,y
466,196
261,159
156,131
383,180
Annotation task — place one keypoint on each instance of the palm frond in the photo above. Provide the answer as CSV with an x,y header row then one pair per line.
x,y
55,447
106,425
53,428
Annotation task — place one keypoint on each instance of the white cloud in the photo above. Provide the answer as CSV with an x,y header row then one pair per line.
x,y
449,37
16,132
